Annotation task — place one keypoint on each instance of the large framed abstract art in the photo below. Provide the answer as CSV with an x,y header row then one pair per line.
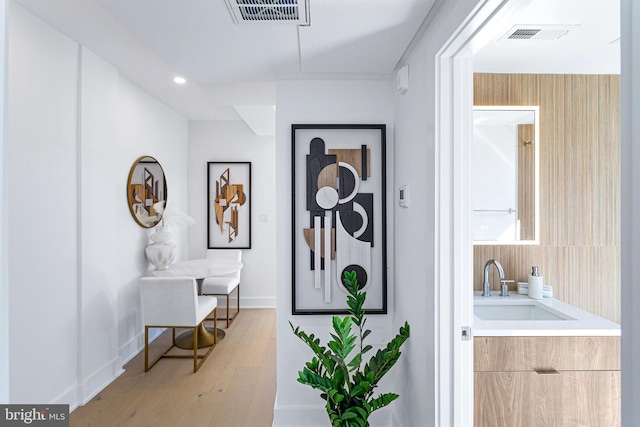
x,y
229,205
339,216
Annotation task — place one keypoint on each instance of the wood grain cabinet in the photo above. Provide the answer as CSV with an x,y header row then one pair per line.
x,y
547,381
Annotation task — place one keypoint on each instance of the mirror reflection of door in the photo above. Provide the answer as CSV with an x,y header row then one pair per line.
x,y
504,190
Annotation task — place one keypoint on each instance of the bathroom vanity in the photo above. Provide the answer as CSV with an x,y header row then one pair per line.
x,y
544,363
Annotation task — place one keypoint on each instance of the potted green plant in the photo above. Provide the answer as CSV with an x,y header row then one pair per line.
x,y
338,372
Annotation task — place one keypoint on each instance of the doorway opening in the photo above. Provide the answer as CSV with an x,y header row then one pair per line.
x,y
455,104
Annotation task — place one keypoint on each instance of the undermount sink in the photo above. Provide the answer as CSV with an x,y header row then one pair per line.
x,y
521,310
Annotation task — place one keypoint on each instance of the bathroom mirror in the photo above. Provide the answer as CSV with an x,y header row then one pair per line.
x,y
146,187
505,175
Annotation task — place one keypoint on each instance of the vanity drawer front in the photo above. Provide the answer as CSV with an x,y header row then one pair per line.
x,y
527,399
559,353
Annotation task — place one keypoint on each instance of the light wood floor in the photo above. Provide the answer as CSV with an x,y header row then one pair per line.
x,y
235,387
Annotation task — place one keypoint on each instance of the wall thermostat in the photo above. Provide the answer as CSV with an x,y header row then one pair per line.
x,y
403,196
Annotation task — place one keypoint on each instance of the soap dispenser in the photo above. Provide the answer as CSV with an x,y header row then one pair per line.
x,y
536,284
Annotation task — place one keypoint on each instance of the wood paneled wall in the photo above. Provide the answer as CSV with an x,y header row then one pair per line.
x,y
579,251
526,181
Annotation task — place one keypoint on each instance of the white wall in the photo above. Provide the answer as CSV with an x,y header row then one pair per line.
x,y
43,211
318,102
75,254
97,320
219,141
630,212
414,241
424,252
4,207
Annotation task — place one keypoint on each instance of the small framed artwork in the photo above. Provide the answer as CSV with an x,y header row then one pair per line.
x,y
229,205
339,216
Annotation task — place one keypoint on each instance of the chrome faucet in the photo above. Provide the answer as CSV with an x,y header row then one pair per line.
x,y
486,285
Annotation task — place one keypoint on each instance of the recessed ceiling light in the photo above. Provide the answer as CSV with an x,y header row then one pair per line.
x,y
180,80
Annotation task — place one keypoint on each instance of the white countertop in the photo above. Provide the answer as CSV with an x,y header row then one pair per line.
x,y
585,323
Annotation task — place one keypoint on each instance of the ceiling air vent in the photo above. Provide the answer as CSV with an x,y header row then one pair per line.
x,y
538,32
269,11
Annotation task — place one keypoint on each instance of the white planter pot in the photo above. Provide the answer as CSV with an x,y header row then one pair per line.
x,y
162,251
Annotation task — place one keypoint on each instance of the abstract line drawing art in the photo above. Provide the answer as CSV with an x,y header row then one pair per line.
x,y
229,205
339,216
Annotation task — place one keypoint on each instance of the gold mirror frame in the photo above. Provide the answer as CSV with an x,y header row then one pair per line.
x,y
146,186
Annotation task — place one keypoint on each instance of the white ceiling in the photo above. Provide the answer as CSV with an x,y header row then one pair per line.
x,y
228,65
231,69
592,46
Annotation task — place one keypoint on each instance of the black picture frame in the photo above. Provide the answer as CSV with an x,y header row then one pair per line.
x,y
353,156
229,205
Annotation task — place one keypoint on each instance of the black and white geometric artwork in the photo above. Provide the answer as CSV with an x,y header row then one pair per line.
x,y
339,216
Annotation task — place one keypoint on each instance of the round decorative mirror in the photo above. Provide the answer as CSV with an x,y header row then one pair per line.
x,y
146,188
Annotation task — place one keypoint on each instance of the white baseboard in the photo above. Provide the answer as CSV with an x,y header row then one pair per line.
x,y
81,393
131,348
136,344
297,416
99,380
69,396
317,417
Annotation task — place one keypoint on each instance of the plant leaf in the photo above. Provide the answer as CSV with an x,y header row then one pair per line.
x,y
344,384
